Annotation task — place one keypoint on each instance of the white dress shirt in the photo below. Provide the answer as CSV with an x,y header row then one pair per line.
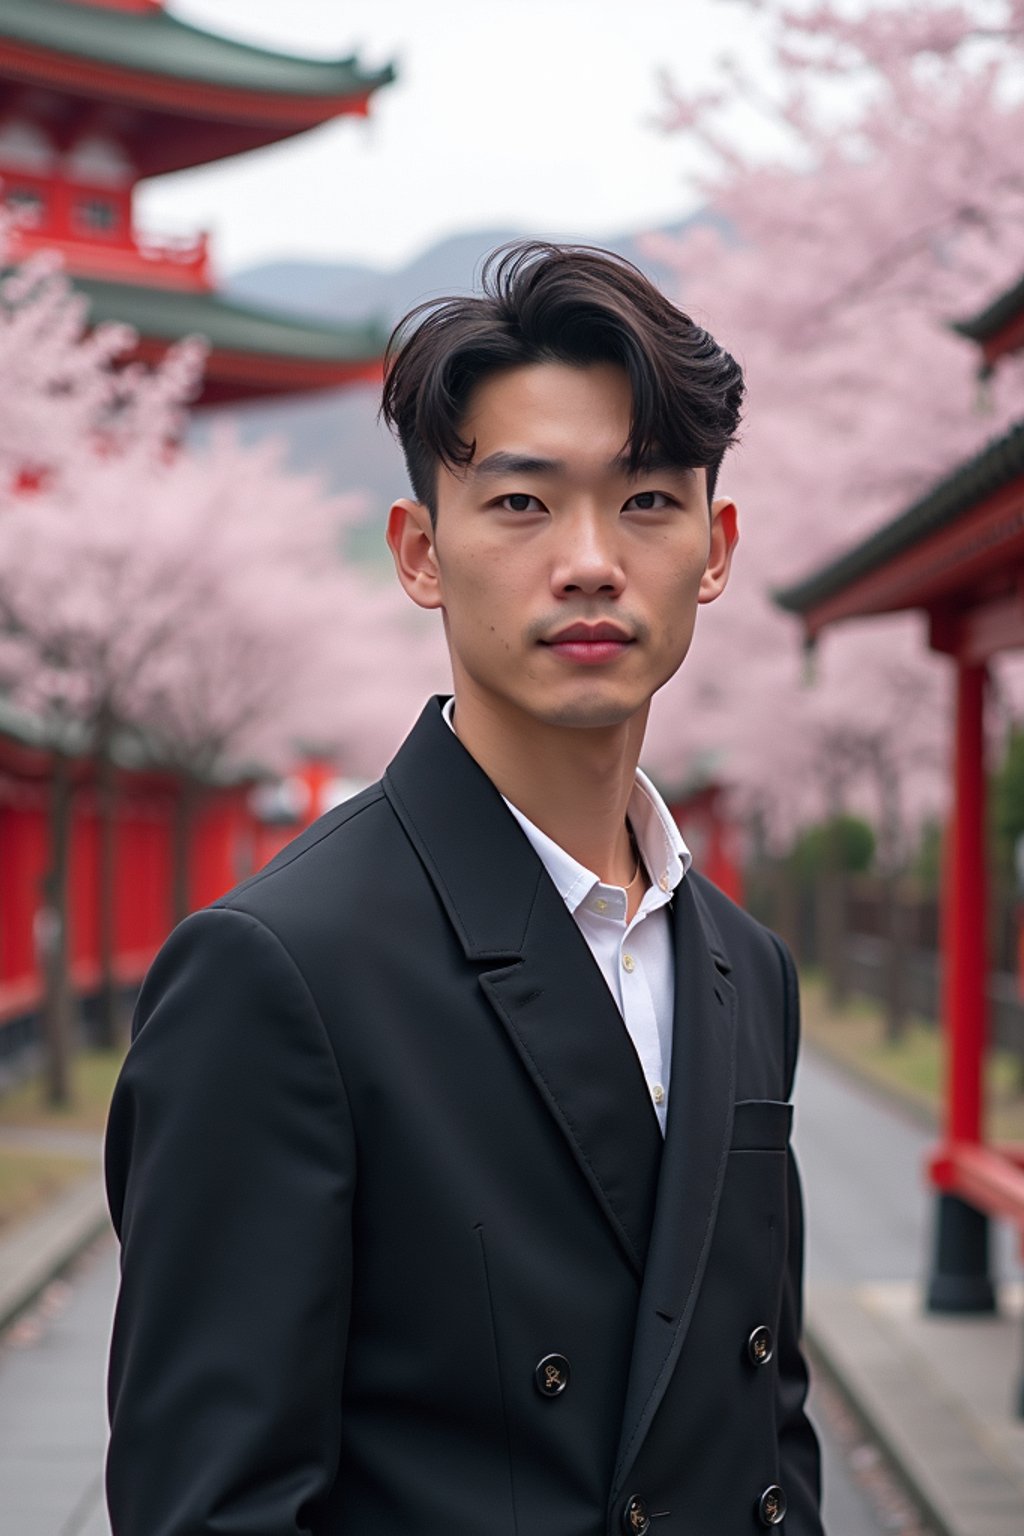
x,y
636,959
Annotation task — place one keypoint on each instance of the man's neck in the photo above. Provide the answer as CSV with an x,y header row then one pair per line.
x,y
572,783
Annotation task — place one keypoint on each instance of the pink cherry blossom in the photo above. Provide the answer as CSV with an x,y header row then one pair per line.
x,y
833,278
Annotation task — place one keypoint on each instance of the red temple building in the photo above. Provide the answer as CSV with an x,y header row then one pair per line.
x,y
701,811
957,556
97,95
998,329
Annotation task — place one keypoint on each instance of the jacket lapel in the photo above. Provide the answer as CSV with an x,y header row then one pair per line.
x,y
564,1023
546,988
698,1134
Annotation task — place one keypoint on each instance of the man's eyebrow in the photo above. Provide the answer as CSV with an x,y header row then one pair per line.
x,y
504,463
655,463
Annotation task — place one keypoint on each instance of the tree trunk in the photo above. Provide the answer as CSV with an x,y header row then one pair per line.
x,y
891,810
832,913
896,953
110,1026
184,817
52,947
787,891
831,920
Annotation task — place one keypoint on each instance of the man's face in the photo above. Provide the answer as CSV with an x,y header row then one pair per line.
x,y
569,588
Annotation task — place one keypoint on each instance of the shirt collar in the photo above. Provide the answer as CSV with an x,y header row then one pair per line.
x,y
659,840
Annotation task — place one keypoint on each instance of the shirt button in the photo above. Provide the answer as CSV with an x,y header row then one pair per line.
x,y
658,1093
628,963
600,905
663,882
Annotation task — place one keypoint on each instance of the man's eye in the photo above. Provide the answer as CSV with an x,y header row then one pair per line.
x,y
518,501
648,501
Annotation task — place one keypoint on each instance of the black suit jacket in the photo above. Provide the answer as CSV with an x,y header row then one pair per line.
x,y
382,1145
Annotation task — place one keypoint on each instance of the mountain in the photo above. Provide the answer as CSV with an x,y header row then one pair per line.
x,y
349,291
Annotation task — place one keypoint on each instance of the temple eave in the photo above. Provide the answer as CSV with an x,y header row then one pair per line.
x,y
278,112
973,559
162,265
232,374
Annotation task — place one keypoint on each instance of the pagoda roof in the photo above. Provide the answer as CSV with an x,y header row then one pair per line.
x,y
999,327
149,60
252,351
963,531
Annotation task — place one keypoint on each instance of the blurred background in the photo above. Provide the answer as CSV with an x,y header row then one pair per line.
x,y
211,214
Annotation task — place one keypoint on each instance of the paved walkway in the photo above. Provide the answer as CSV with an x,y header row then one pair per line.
x,y
52,1413
939,1391
936,1388
30,1138
37,1248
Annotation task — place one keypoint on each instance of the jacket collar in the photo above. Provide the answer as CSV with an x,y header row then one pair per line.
x,y
440,793
659,840
463,831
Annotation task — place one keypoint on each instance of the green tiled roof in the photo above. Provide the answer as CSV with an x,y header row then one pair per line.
x,y
168,314
19,725
1000,462
129,748
154,43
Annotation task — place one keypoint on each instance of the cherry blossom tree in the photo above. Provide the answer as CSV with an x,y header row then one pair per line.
x,y
284,645
66,386
892,204
192,599
75,432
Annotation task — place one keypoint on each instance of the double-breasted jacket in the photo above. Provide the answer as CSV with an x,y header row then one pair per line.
x,y
404,1252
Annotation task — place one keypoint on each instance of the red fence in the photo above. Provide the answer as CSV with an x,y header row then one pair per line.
x,y
227,842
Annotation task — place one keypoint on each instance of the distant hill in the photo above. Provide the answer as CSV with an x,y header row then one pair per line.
x,y
337,433
348,291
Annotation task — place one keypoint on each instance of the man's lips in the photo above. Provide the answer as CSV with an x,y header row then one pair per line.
x,y
590,632
591,643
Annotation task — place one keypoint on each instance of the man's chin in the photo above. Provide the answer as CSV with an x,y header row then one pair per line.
x,y
591,714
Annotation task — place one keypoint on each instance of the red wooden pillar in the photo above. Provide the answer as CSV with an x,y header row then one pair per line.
x,y
316,773
960,1279
722,867
964,1002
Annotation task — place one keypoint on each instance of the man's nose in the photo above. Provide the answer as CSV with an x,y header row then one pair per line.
x,y
588,558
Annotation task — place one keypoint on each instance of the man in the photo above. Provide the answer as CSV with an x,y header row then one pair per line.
x,y
450,1159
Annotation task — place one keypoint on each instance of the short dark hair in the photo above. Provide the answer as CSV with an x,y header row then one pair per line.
x,y
577,304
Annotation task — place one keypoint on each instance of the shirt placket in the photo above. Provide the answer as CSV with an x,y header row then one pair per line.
x,y
638,1008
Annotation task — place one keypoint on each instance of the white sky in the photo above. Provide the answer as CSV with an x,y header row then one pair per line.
x,y
531,114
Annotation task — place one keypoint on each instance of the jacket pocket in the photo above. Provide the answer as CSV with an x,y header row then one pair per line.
x,y
761,1125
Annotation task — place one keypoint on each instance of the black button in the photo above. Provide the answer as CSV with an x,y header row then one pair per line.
x,y
552,1375
760,1345
635,1519
771,1506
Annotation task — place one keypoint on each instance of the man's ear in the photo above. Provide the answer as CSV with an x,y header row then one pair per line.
x,y
724,535
410,539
